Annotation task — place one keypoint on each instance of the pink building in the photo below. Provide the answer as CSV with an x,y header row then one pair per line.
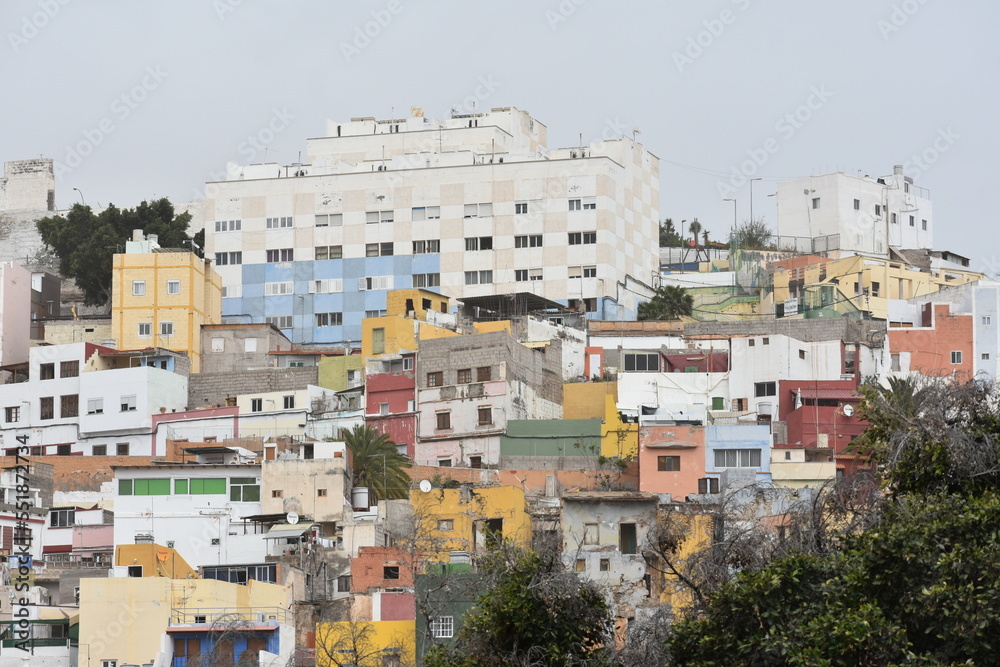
x,y
391,403
671,459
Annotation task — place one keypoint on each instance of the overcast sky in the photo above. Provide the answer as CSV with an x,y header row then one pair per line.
x,y
160,95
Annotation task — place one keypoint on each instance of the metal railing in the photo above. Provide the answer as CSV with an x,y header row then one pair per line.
x,y
225,617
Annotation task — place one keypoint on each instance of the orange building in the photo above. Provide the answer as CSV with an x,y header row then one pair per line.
x,y
671,459
941,347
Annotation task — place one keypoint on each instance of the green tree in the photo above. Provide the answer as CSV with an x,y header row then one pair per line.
x,y
85,242
669,238
753,235
695,229
531,612
376,463
669,303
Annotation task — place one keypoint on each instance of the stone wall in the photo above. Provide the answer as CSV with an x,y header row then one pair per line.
x,y
214,388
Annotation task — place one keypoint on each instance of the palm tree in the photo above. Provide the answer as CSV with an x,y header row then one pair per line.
x,y
704,236
377,464
695,229
669,303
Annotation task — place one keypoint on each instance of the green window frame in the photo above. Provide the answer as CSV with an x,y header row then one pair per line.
x,y
124,487
181,487
144,487
208,486
244,490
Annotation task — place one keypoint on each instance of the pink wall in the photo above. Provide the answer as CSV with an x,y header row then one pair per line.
x,y
93,537
686,442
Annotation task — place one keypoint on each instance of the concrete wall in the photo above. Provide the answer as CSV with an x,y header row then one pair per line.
x,y
15,313
299,482
215,388
228,348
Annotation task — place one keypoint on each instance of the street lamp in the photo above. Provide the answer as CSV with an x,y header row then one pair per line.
x,y
732,236
751,196
78,191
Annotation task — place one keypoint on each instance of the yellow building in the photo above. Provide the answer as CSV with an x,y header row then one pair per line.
x,y
162,297
341,372
411,315
599,400
154,561
821,287
366,643
469,518
694,527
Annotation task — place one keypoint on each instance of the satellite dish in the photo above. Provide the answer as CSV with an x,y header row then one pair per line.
x,y
848,410
292,518
163,554
417,111
425,485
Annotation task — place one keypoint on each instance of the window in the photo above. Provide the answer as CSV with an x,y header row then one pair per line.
x,y
280,222
646,361
374,313
484,373
464,376
878,210
326,286
485,416
815,202
145,329
166,328
668,463
99,450
46,407
69,406
589,203
46,371
12,414
521,275
876,287
279,288
590,272
329,319
330,220
138,288
857,204
173,287
751,343
478,277
987,320
892,218
985,356
765,389
913,221
528,241
128,403
110,663
426,247
289,402
329,252
421,213
62,518
578,238
590,533
478,210
581,565
280,321
121,449
375,283
426,279
244,490
69,369
802,354
923,225
605,564
390,572
281,255
476,462
479,243
737,458
277,493
443,627
520,208
375,217
956,356
446,524
256,405
575,205
443,421
435,379
321,493
627,542
224,258
444,463
228,225
765,341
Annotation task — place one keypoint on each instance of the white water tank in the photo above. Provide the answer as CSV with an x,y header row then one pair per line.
x,y
359,498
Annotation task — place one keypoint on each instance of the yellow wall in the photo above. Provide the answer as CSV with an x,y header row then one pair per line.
x,y
599,400
367,639
496,502
174,567
400,334
395,302
489,327
199,301
125,618
333,370
699,536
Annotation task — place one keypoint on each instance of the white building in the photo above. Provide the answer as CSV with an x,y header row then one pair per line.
x,y
80,398
848,215
474,205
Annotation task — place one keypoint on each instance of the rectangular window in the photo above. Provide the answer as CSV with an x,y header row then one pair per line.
x,y
435,379
166,328
737,458
478,277
390,572
378,340
427,247
47,371
280,321
173,287
69,369
329,319
485,416
443,421
892,218
147,487
279,223
589,203
421,213
627,542
426,280
375,313
668,463
590,272
591,534
69,406
878,210
47,407
228,225
99,450
483,373
281,255
534,274
62,518
521,275
520,208
244,490
375,283
446,525
279,288
211,486
12,414
528,241
985,356
330,220
923,225
128,403
326,286
575,205
289,402
956,356
138,288
443,627
464,376
605,565
765,389
256,405
145,329
121,449
181,487
815,202
857,204
478,210
876,288
913,221
646,361
479,243
987,320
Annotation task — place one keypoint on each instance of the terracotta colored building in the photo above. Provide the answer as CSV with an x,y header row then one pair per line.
x,y
391,402
942,346
821,417
381,567
671,459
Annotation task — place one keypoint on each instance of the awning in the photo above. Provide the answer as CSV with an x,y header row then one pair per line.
x,y
283,530
831,393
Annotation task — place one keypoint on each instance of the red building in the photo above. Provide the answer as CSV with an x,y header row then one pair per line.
x,y
820,415
380,567
940,344
391,401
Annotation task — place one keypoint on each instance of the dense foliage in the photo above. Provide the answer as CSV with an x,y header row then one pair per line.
x,y
669,303
377,464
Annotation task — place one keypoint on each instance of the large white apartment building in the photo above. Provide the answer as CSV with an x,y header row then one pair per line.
x,y
848,215
473,205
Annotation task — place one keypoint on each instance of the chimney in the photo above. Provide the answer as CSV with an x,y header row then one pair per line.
x,y
897,169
